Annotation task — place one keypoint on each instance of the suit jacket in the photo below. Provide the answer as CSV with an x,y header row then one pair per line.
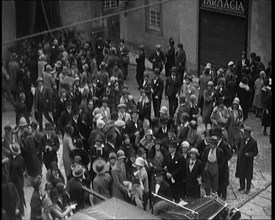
x,y
76,192
191,177
171,86
157,87
170,58
43,100
157,60
52,141
119,176
175,166
131,129
144,111
180,59
160,134
63,120
102,184
219,153
245,164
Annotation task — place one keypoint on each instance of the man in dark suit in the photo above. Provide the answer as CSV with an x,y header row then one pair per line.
x,y
241,66
157,90
161,187
175,170
193,175
246,151
170,57
140,66
224,169
65,117
43,103
133,127
180,62
50,145
171,89
157,58
162,132
76,124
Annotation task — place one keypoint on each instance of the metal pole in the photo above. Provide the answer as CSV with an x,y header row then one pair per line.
x,y
94,193
167,200
86,21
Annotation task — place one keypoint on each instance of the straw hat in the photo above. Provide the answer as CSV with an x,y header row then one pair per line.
x,y
15,149
185,144
78,171
120,154
100,166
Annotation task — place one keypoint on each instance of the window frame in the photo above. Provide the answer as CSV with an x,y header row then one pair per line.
x,y
148,29
110,3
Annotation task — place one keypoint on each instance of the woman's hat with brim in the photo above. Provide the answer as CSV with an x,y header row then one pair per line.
x,y
139,162
100,166
112,155
236,101
121,105
58,64
39,79
141,151
163,110
15,148
194,151
185,144
173,69
208,66
148,132
120,154
78,171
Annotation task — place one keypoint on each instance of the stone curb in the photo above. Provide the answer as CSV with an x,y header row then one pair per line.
x,y
253,195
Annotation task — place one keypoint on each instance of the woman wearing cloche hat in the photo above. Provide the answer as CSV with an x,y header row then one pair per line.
x,y
234,122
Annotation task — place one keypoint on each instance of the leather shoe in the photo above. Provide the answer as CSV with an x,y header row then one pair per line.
x,y
246,192
240,189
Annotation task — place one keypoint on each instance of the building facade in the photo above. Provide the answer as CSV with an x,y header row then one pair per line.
x,y
214,31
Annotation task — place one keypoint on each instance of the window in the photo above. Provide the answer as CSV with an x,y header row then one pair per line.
x,y
154,16
111,4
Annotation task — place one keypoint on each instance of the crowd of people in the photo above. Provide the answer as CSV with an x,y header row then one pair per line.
x,y
111,142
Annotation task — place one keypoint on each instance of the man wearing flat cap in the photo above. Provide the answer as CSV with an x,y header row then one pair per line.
x,y
180,61
157,58
247,149
174,166
157,90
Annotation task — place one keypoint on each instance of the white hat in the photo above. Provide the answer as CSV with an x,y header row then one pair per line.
x,y
208,66
163,110
185,144
231,63
119,123
97,117
148,132
139,161
100,123
23,122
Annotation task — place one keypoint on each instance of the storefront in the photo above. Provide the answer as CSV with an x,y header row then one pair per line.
x,y
223,28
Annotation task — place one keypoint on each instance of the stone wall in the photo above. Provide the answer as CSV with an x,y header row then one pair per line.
x,y
259,32
8,25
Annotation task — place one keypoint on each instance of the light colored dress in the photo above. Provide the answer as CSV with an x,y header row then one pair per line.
x,y
257,101
67,148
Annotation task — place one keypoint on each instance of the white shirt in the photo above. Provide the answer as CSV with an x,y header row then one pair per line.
x,y
191,165
157,188
173,155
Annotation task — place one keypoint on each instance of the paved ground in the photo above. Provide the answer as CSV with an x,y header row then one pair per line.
x,y
260,206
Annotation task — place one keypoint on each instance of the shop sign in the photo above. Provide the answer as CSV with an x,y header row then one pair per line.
x,y
237,7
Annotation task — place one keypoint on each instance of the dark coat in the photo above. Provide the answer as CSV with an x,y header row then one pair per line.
x,y
131,129
164,191
44,100
36,205
63,120
144,111
76,192
89,119
17,168
244,167
60,107
140,64
224,170
10,200
147,87
176,167
157,87
170,60
49,156
160,134
181,109
33,164
75,124
102,184
191,183
157,60
220,156
180,60
171,86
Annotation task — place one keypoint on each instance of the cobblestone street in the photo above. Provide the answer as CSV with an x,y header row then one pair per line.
x,y
257,208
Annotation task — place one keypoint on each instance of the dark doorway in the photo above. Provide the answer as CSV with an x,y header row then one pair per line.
x,y
113,29
222,38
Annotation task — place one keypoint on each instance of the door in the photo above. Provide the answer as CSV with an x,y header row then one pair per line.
x,y
222,38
